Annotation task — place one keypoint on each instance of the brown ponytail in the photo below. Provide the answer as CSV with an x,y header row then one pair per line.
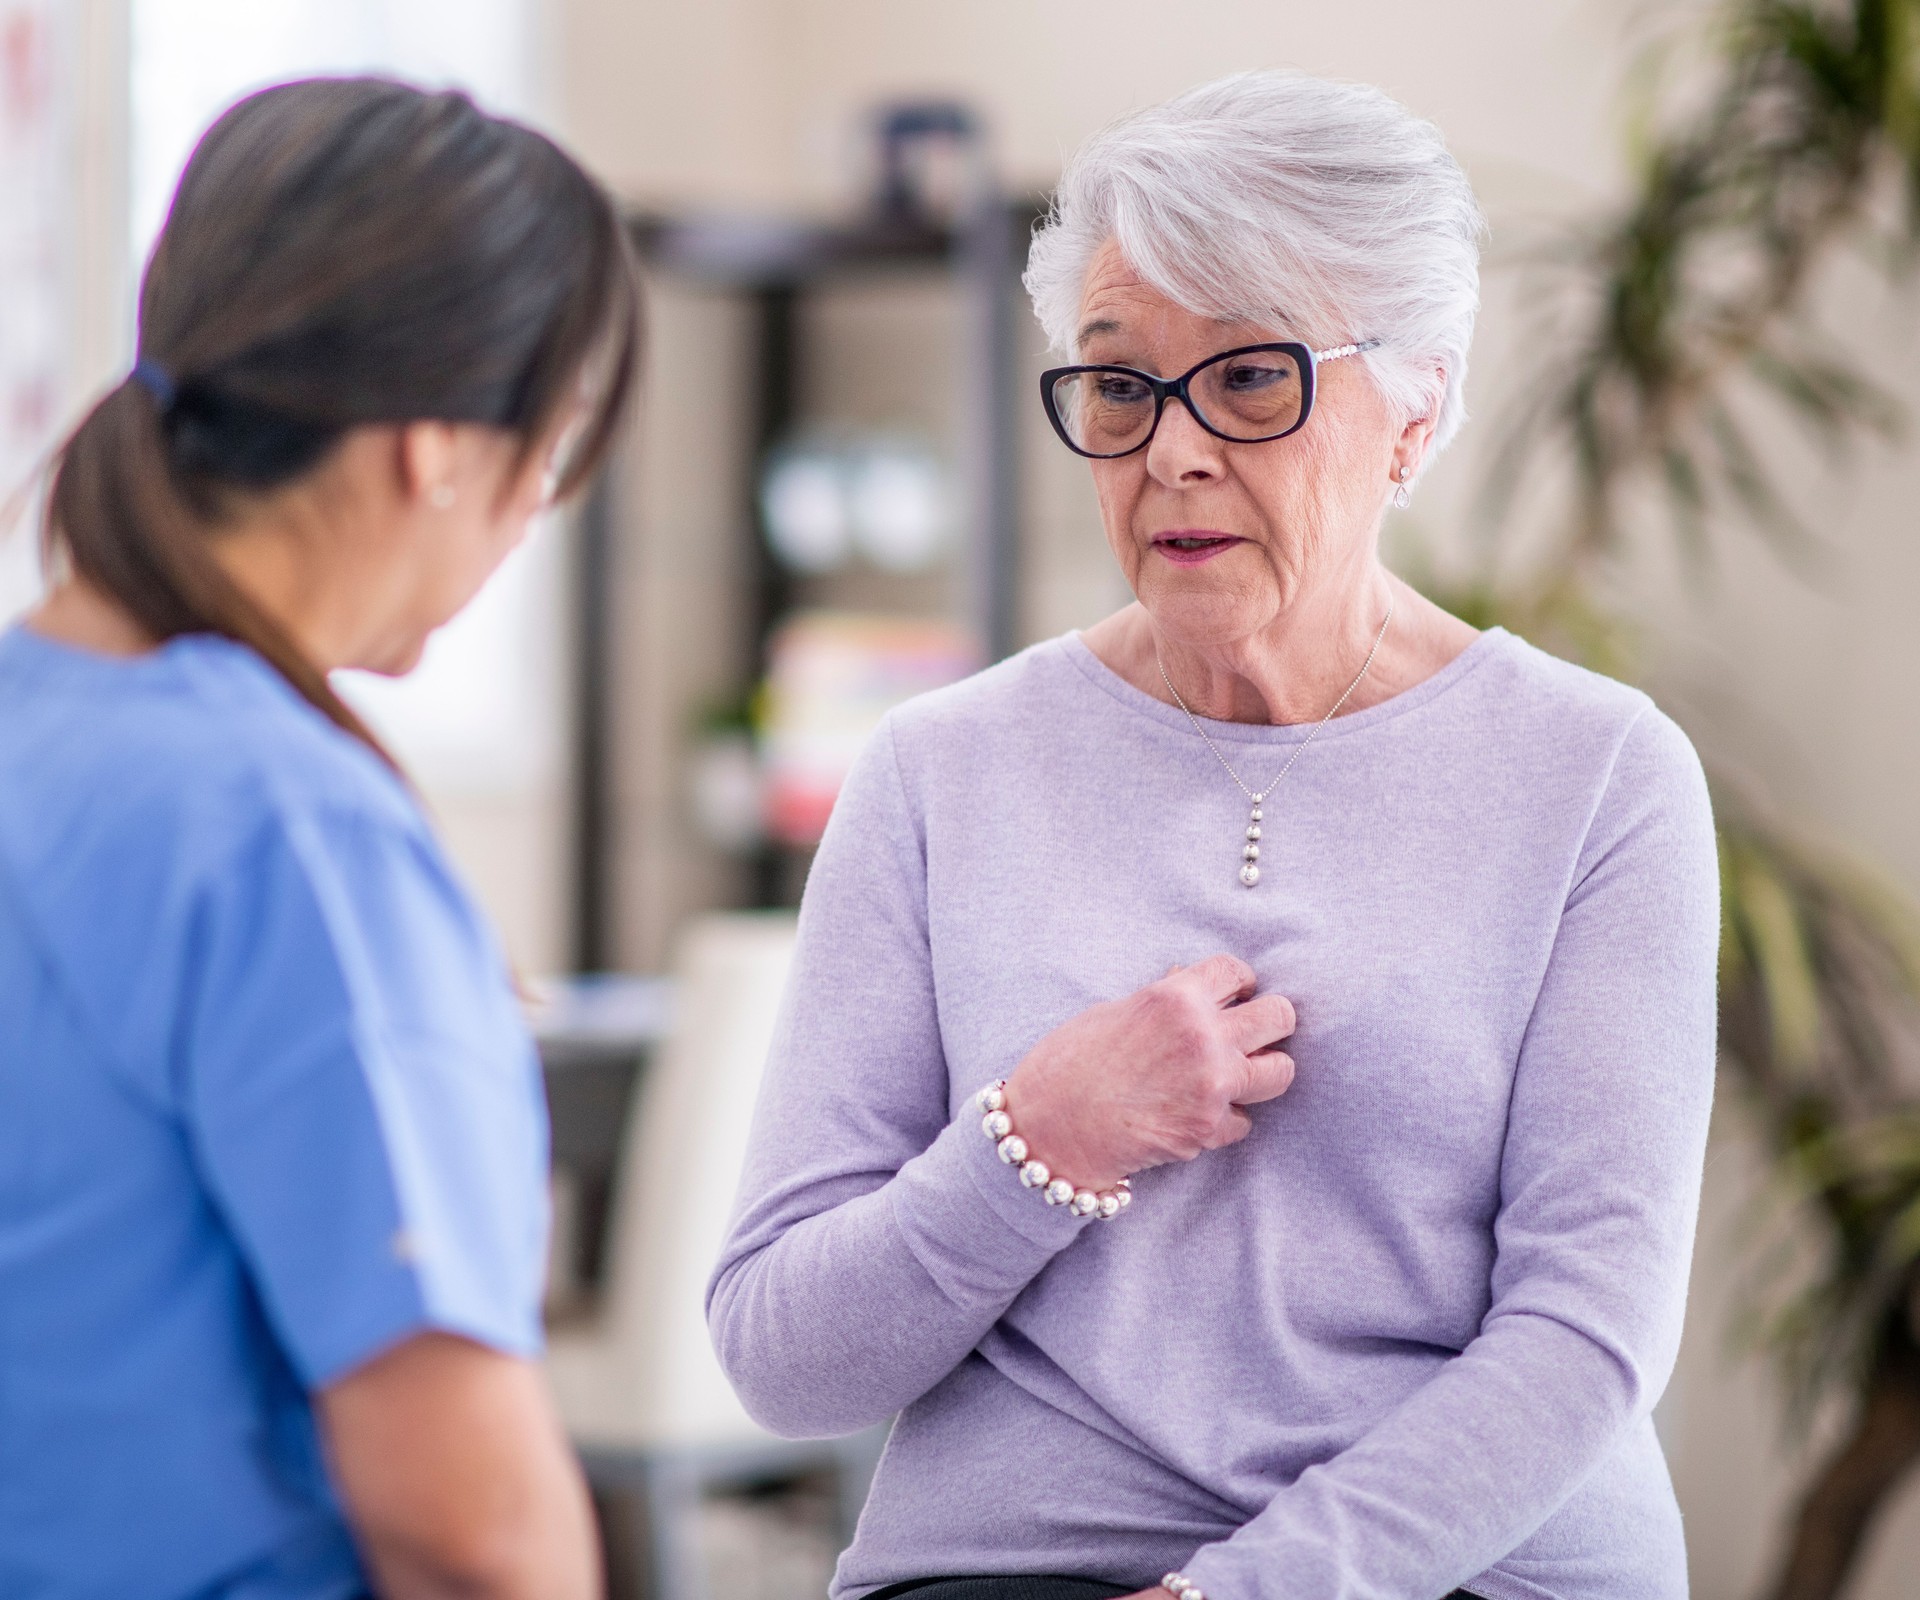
x,y
340,252
117,517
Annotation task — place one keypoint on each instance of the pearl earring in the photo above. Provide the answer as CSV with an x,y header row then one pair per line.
x,y
440,497
1403,496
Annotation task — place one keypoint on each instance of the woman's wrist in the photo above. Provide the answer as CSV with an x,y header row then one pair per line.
x,y
996,1122
1048,1122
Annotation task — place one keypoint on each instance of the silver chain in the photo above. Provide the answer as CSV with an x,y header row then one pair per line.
x,y
1299,749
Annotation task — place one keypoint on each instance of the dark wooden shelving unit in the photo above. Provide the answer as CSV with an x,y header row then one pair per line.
x,y
774,264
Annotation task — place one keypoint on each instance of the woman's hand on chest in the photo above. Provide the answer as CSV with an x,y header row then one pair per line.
x,y
1158,1076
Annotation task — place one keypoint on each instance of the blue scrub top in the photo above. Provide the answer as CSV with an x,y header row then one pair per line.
x,y
267,1107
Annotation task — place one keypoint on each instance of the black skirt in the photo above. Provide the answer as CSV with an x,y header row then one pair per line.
x,y
1024,1587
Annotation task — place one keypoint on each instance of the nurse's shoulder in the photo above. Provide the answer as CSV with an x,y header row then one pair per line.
x,y
142,799
171,756
274,750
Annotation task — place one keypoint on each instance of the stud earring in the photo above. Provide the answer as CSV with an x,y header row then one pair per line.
x,y
440,497
1403,496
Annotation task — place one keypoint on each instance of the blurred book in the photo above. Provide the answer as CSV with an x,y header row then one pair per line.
x,y
832,677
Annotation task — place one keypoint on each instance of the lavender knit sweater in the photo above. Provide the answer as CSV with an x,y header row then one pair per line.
x,y
1407,1335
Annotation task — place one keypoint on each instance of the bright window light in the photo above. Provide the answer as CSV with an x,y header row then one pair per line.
x,y
193,58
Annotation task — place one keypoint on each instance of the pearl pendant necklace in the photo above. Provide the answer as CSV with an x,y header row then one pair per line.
x,y
1250,851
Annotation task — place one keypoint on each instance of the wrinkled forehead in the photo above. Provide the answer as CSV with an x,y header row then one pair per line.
x,y
1121,313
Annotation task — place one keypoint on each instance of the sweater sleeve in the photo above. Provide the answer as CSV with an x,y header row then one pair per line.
x,y
1600,1181
877,1235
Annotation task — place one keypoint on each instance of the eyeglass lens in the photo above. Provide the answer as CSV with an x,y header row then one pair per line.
x,y
1247,397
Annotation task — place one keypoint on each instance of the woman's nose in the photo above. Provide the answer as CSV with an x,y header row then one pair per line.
x,y
1182,454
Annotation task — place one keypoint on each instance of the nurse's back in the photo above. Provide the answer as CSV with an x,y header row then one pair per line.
x,y
195,1226
272,1150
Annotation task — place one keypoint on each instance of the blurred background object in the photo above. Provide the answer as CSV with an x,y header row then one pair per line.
x,y
1699,324
697,1501
866,390
831,677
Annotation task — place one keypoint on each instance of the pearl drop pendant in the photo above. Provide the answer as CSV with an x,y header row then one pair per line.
x,y
1250,851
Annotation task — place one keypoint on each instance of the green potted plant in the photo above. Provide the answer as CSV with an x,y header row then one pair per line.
x,y
1663,327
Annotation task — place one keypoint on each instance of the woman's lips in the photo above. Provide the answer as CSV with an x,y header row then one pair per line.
x,y
1189,548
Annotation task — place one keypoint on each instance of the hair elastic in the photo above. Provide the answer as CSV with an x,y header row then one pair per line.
x,y
154,378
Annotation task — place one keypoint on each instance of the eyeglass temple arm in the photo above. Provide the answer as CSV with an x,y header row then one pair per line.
x,y
1340,350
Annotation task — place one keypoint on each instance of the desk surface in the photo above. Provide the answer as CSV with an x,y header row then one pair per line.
x,y
586,1020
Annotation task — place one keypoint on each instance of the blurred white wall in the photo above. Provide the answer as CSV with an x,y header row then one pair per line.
x,y
192,58
759,102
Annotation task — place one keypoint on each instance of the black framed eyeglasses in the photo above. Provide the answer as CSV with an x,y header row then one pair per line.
x,y
1248,395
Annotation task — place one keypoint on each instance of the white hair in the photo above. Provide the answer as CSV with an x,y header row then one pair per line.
x,y
1324,209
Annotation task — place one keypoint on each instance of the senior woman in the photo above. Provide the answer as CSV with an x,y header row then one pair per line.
x,y
1382,1313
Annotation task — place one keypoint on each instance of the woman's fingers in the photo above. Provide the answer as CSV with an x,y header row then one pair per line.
x,y
1223,978
1257,1023
1233,1126
1269,1075
1158,1076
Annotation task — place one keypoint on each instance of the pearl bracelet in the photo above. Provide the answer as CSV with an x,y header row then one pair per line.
x,y
998,1126
1182,1587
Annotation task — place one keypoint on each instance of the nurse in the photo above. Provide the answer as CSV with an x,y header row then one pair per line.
x,y
272,1148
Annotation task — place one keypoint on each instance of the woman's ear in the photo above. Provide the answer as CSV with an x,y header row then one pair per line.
x,y
1416,436
427,460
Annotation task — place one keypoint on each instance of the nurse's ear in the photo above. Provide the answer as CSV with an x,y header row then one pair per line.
x,y
429,460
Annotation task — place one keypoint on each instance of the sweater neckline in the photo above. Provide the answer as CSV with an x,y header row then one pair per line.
x,y
1491,642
